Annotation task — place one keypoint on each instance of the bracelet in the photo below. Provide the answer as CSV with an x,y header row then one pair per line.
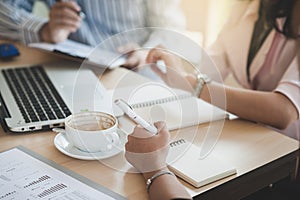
x,y
160,173
201,80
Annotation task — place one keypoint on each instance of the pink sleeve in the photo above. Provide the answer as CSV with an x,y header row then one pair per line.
x,y
290,85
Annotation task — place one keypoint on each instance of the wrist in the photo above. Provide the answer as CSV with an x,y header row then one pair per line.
x,y
44,33
148,175
157,175
192,81
200,81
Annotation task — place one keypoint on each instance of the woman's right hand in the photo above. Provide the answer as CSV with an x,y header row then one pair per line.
x,y
146,152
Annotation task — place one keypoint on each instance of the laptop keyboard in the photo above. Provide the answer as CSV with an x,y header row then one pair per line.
x,y
36,96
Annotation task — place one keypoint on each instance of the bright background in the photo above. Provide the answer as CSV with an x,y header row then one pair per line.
x,y
204,17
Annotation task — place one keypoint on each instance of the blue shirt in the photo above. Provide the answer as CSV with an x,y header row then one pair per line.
x,y
104,18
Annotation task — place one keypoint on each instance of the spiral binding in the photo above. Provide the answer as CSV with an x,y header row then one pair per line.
x,y
160,101
177,142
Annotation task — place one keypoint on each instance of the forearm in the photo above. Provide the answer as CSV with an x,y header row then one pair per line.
x,y
166,187
172,189
17,22
269,108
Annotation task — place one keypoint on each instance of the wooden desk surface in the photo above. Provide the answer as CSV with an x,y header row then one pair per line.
x,y
253,149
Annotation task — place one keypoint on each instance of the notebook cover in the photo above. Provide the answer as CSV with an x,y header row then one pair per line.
x,y
185,161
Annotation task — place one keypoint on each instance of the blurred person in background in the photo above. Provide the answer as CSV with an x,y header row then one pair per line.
x,y
103,19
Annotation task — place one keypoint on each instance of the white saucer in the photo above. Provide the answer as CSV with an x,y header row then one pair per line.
x,y
63,145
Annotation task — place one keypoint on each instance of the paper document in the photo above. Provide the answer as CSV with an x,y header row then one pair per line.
x,y
93,55
25,177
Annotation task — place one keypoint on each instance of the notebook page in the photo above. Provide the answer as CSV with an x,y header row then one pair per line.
x,y
182,113
178,108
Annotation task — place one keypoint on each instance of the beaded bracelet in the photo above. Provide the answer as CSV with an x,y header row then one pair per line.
x,y
160,173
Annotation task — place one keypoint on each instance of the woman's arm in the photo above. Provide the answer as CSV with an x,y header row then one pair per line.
x,y
166,187
270,108
148,155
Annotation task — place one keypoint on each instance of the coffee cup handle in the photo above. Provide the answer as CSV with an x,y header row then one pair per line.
x,y
113,137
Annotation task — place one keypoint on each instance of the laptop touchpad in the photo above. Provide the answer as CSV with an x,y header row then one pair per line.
x,y
81,89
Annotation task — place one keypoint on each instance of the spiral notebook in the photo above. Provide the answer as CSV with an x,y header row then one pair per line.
x,y
157,102
185,160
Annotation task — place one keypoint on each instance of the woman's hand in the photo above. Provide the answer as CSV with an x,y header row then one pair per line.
x,y
146,152
136,55
175,75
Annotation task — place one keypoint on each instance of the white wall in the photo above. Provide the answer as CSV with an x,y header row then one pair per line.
x,y
206,16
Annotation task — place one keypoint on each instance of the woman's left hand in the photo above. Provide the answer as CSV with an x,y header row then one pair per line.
x,y
175,75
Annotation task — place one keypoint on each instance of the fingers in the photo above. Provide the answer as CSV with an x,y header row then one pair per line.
x,y
63,20
63,27
136,56
161,127
141,141
66,5
140,132
148,154
155,54
65,15
163,132
160,53
131,62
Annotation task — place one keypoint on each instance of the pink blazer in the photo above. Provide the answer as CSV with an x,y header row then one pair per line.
x,y
275,66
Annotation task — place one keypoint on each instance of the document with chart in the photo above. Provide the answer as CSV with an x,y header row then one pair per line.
x,y
24,176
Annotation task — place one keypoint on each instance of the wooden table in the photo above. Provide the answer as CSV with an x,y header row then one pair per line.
x,y
261,156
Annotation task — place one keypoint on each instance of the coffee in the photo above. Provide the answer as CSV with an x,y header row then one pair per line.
x,y
92,131
92,122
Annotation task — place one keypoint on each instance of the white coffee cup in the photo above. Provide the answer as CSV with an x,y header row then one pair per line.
x,y
92,131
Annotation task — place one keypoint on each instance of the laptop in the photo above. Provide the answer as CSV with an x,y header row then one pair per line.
x,y
40,97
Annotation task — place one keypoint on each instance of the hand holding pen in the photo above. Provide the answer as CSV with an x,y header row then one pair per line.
x,y
78,10
64,18
126,108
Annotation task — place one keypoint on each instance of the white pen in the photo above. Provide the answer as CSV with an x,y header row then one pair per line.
x,y
161,65
126,108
